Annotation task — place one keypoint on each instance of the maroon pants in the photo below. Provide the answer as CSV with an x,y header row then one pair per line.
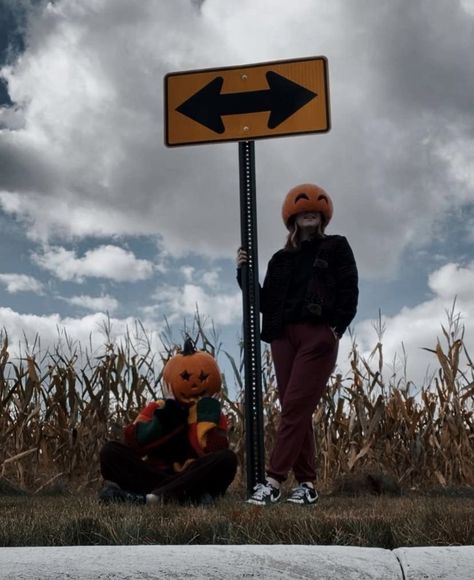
x,y
211,473
304,358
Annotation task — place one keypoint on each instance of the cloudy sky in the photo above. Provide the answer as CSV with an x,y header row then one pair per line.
x,y
98,215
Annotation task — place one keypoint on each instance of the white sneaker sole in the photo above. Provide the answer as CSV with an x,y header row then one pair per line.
x,y
302,501
263,503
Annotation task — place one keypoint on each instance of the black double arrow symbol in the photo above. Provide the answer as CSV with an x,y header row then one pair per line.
x,y
283,98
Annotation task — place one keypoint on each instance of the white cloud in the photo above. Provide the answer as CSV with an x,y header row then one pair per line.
x,y
47,217
179,302
458,155
192,275
454,280
21,283
106,261
103,303
88,331
468,6
419,327
187,272
47,328
211,278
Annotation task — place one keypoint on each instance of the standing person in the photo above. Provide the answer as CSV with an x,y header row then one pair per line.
x,y
309,298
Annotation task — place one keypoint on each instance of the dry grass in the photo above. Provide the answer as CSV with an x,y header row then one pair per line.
x,y
364,521
57,409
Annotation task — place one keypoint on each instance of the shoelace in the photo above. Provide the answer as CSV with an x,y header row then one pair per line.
x,y
261,490
300,491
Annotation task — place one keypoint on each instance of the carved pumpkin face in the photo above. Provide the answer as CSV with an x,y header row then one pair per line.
x,y
192,374
307,197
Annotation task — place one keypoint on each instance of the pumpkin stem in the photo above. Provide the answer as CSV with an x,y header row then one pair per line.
x,y
189,347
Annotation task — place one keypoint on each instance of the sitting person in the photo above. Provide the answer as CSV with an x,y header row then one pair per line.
x,y
177,447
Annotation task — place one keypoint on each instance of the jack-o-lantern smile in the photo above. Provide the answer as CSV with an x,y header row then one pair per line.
x,y
192,374
307,198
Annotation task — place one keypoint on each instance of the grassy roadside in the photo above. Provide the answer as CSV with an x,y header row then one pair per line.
x,y
385,522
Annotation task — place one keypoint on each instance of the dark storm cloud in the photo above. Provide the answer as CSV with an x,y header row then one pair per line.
x,y
11,42
24,168
426,47
14,15
91,84
4,96
401,98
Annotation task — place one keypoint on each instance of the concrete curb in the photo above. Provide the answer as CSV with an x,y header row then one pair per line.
x,y
251,561
441,562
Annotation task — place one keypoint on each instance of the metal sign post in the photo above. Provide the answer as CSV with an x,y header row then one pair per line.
x,y
255,452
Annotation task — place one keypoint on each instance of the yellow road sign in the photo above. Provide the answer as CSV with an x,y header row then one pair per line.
x,y
247,102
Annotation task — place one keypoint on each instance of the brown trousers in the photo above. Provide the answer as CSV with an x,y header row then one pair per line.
x,y
210,474
304,358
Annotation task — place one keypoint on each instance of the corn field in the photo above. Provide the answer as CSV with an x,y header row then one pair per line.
x,y
58,408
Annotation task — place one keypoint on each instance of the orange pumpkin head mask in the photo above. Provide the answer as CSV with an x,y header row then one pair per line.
x,y
307,197
192,374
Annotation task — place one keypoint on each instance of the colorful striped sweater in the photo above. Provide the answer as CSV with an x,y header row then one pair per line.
x,y
169,435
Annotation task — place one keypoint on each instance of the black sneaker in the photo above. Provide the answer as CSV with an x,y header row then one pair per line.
x,y
264,494
112,493
303,495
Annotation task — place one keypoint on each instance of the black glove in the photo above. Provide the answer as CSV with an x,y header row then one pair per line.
x,y
171,415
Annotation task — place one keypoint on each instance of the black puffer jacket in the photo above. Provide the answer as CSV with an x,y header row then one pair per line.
x,y
330,288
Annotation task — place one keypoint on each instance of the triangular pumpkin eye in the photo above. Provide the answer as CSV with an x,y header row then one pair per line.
x,y
203,376
185,375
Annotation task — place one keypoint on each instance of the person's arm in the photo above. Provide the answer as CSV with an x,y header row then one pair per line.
x,y
347,280
207,426
154,424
